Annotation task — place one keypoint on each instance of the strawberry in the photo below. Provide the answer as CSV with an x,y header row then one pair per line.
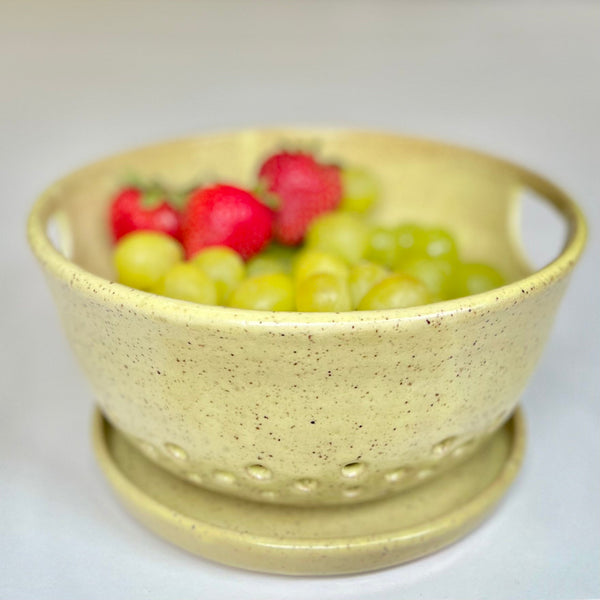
x,y
137,207
303,188
223,215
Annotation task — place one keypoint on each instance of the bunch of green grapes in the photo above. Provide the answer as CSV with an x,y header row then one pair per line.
x,y
344,264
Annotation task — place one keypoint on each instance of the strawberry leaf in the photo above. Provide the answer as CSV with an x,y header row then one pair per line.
x,y
266,197
152,198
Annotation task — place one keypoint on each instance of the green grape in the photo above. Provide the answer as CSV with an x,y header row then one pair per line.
x,y
439,243
285,254
186,281
263,264
224,266
340,233
360,189
382,247
363,277
395,291
474,278
311,262
410,239
323,292
142,258
435,273
416,241
272,291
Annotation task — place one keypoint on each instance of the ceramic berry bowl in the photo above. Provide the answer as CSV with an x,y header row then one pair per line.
x,y
310,442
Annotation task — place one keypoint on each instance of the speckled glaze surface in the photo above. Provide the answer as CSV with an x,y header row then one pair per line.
x,y
312,540
321,408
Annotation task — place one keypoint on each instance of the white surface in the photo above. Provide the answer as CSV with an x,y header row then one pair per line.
x,y
82,80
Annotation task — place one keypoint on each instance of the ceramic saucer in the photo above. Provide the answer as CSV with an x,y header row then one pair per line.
x,y
312,541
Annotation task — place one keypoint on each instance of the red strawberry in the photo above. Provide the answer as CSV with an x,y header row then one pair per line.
x,y
223,215
304,189
136,207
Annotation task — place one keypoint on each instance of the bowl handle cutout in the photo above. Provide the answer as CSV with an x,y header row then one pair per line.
x,y
59,233
65,238
539,231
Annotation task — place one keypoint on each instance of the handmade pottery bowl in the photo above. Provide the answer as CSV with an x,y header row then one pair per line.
x,y
309,408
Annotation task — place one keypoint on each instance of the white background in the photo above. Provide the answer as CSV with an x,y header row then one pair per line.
x,y
80,80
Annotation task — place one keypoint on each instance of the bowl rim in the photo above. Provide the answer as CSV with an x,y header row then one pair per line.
x,y
169,309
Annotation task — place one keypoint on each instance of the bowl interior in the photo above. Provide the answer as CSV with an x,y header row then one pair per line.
x,y
474,197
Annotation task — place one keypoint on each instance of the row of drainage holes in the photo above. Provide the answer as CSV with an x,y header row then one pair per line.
x,y
350,470
307,485
303,486
258,472
226,478
262,473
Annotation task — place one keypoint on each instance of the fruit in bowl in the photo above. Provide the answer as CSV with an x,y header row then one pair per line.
x,y
300,408
336,260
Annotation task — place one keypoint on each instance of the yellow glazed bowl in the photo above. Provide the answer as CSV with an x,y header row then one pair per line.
x,y
309,408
